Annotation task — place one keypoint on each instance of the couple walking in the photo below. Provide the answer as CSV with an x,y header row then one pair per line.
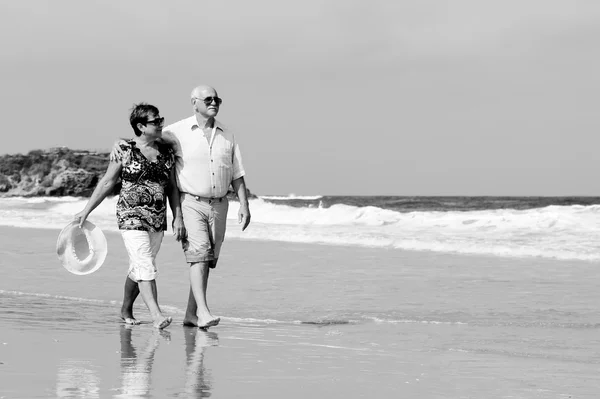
x,y
192,163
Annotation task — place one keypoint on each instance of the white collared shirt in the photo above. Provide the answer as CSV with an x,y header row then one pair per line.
x,y
204,169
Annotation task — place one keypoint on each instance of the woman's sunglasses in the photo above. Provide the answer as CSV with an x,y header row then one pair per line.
x,y
156,121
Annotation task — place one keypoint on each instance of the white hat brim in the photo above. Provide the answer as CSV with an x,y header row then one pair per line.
x,y
81,250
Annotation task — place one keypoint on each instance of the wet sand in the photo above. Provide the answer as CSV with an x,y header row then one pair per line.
x,y
301,320
64,358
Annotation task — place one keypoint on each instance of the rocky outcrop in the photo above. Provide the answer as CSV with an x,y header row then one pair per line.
x,y
54,172
73,182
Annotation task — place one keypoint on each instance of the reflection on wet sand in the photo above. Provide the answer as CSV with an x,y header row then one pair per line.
x,y
81,378
136,368
76,379
197,378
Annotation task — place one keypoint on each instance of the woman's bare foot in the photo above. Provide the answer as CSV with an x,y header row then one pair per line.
x,y
128,318
190,321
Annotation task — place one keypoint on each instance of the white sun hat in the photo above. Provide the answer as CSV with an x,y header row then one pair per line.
x,y
81,250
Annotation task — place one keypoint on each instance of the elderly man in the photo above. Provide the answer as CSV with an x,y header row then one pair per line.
x,y
207,162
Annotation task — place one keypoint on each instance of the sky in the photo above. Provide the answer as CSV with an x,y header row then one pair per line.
x,y
330,97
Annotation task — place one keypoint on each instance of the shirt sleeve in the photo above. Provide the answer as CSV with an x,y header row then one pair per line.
x,y
238,166
127,153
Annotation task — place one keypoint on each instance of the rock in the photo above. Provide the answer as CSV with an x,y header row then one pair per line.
x,y
78,182
54,172
4,184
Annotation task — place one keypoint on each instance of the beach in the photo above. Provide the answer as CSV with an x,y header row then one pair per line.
x,y
448,248
301,319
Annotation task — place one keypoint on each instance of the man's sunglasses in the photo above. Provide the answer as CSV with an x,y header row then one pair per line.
x,y
209,100
156,121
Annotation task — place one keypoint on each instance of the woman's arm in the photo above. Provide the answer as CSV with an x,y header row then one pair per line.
x,y
104,187
175,204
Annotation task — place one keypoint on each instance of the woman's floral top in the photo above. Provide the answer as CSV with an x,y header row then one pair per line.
x,y
142,203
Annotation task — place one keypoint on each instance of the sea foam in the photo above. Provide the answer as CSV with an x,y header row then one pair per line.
x,y
559,232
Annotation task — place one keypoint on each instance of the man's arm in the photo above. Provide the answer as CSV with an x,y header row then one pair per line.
x,y
117,153
239,187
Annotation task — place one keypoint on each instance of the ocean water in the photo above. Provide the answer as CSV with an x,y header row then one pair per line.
x,y
566,228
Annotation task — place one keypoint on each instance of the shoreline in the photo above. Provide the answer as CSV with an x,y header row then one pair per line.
x,y
410,252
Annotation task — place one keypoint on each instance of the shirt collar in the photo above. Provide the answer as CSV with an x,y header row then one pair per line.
x,y
193,124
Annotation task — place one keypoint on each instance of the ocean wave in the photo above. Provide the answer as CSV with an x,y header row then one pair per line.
x,y
291,197
557,232
59,297
414,321
39,200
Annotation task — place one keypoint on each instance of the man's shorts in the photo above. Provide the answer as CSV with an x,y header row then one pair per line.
x,y
142,247
205,220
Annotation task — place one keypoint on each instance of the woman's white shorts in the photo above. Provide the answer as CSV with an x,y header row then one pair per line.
x,y
142,247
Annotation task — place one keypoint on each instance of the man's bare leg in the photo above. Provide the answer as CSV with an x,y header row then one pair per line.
x,y
130,293
199,272
191,317
150,297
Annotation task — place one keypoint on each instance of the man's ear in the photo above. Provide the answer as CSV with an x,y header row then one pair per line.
x,y
140,126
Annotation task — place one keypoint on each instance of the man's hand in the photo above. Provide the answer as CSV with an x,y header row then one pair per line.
x,y
179,230
116,154
244,216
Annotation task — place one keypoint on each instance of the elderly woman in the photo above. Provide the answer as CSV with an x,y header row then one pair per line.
x,y
147,174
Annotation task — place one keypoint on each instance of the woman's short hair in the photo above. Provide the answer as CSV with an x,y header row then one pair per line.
x,y
140,113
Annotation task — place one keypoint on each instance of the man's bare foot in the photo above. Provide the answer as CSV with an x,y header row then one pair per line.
x,y
211,323
163,323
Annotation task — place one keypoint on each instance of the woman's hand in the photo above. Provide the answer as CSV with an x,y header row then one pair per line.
x,y
81,217
179,229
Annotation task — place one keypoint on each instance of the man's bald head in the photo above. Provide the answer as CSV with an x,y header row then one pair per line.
x,y
203,91
205,101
